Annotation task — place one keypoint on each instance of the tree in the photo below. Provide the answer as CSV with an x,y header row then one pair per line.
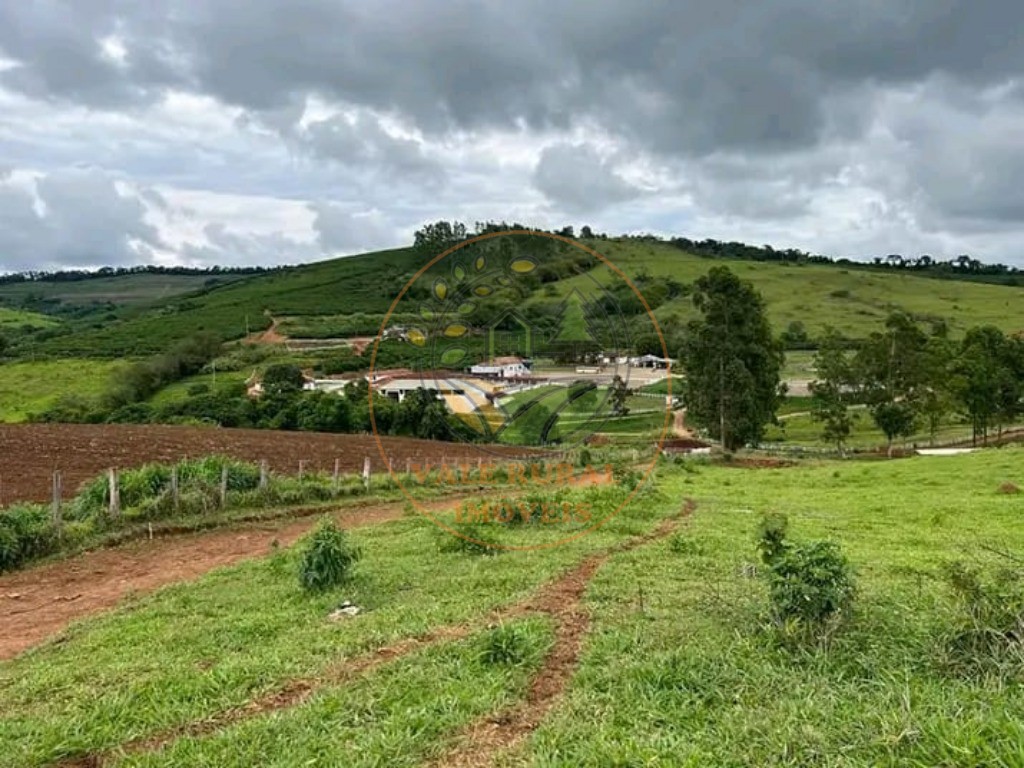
x,y
732,361
895,419
987,378
435,239
830,390
617,394
935,399
892,368
283,380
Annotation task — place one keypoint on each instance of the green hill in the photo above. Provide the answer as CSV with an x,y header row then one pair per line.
x,y
349,296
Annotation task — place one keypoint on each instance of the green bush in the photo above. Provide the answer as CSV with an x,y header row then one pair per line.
x,y
26,532
810,584
327,558
507,646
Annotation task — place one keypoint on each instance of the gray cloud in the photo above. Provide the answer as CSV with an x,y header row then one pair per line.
x,y
76,217
579,180
341,231
838,125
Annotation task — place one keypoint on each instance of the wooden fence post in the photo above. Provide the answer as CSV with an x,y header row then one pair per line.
x,y
337,473
264,475
114,482
408,467
366,472
57,491
175,488
302,470
223,487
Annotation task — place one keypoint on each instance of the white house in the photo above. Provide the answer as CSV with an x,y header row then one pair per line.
x,y
503,368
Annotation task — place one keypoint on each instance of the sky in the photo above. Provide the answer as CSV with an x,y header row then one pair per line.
x,y
259,132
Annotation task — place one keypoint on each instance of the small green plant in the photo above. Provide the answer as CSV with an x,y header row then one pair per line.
x,y
771,536
681,544
470,539
508,645
810,584
327,558
586,459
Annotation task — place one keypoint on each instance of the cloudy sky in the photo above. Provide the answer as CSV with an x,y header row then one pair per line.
x,y
280,131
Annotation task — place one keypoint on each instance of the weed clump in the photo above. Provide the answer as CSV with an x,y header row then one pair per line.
x,y
469,539
327,558
1009,489
507,646
987,633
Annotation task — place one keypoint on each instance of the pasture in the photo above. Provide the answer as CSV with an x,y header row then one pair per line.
x,y
646,642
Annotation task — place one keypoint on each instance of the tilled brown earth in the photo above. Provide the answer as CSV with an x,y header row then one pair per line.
x,y
29,453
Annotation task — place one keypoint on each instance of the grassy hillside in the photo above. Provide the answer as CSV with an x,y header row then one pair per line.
x,y
349,296
854,301
120,290
31,387
366,283
16,319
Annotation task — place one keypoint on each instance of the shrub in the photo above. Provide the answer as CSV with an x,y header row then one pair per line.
x,y
327,558
26,532
681,544
470,540
1009,489
507,645
771,536
989,628
810,584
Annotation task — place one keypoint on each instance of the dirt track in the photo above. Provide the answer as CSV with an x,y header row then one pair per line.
x,y
483,741
40,602
30,452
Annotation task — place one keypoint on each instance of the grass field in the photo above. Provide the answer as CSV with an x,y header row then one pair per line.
x,y
121,290
27,388
854,301
680,666
11,319
682,670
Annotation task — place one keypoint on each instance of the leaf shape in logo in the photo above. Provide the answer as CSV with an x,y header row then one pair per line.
x,y
483,290
523,266
481,262
459,273
441,289
427,313
467,308
453,356
417,337
455,330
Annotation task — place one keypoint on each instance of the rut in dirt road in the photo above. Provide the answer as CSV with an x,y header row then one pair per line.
x,y
560,599
481,743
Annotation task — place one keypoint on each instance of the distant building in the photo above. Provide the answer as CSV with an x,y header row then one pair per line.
x,y
504,368
652,361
